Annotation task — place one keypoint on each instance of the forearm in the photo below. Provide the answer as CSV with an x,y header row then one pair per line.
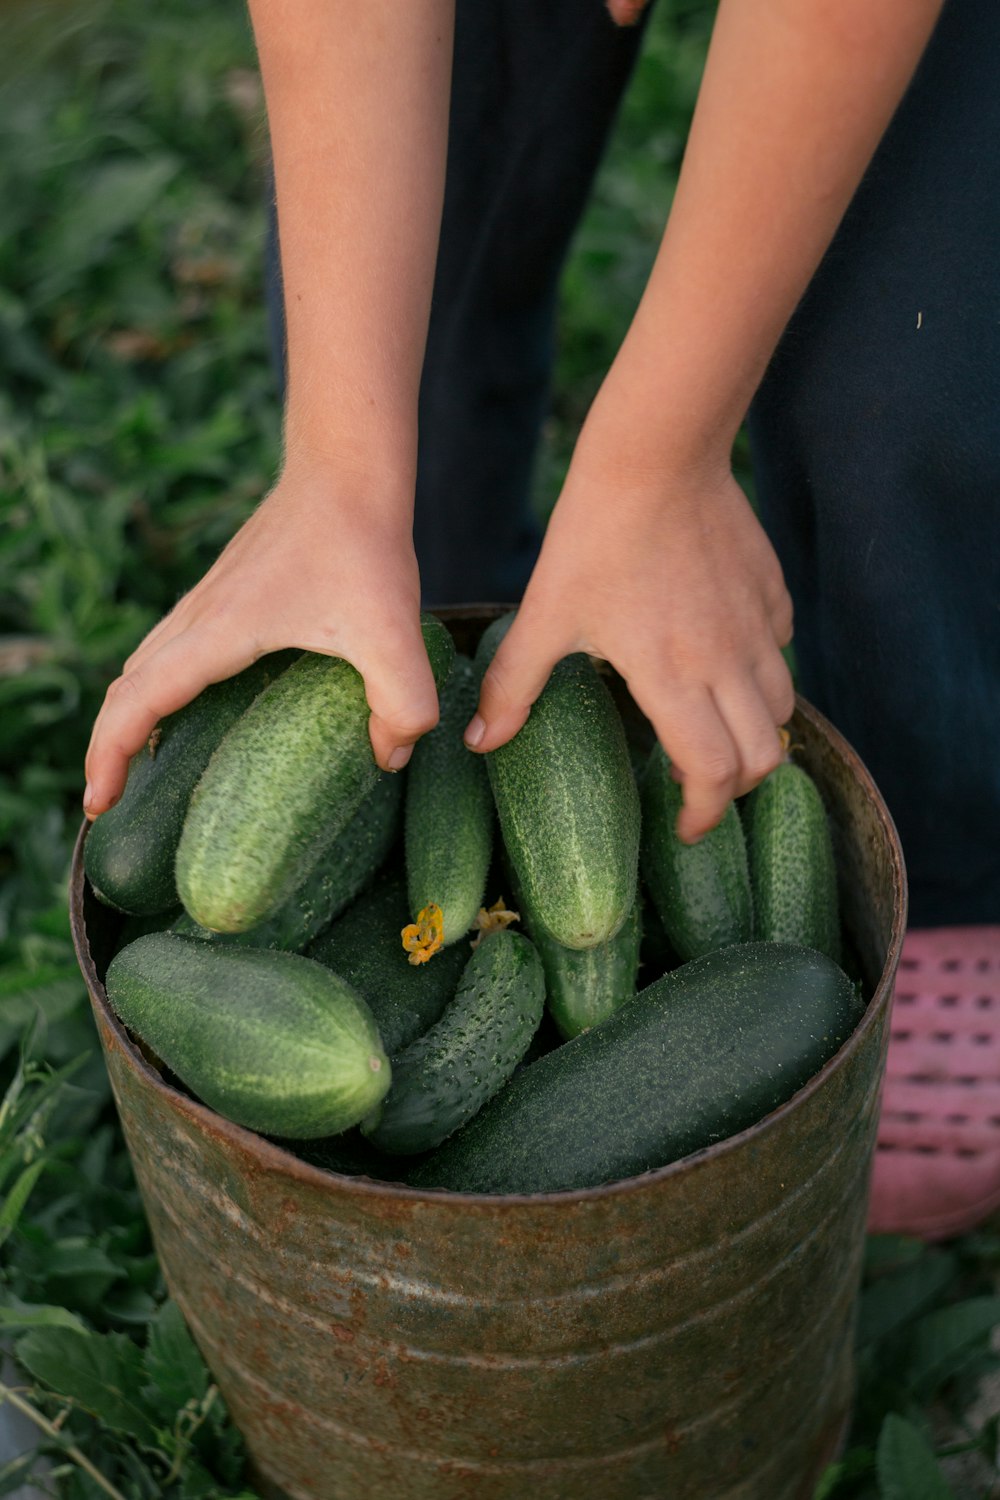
x,y
357,100
795,98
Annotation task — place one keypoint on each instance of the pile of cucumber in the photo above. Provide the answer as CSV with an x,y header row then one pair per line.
x,y
432,977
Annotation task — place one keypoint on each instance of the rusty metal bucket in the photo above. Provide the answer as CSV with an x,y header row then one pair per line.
x,y
684,1335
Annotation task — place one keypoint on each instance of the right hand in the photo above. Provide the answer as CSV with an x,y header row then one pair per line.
x,y
323,564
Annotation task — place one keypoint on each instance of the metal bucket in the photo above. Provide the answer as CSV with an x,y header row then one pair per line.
x,y
684,1335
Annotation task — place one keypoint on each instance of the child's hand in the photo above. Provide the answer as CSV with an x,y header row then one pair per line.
x,y
322,564
672,580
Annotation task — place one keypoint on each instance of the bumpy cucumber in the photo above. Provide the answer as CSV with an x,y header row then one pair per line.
x,y
272,1041
449,812
347,867
791,862
364,948
447,1075
130,849
700,1054
280,788
568,805
701,891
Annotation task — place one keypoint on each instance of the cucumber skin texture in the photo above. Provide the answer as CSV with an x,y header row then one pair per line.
x,y
348,866
271,1041
449,812
792,868
130,849
568,806
449,1073
280,788
701,891
364,947
706,1051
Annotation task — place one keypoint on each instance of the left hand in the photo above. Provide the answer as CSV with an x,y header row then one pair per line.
x,y
667,575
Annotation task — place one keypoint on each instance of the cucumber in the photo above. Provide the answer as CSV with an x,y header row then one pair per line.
x,y
272,1041
280,788
698,1055
447,1075
449,813
585,986
791,862
349,865
568,805
130,849
363,947
701,891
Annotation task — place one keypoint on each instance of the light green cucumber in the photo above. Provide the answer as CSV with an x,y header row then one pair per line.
x,y
271,1041
568,805
130,849
449,812
701,891
347,867
281,787
791,862
363,947
448,1074
583,986
706,1051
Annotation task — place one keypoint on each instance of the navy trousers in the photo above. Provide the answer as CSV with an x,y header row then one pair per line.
x,y
875,434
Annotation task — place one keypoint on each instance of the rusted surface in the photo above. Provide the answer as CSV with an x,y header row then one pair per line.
x,y
686,1334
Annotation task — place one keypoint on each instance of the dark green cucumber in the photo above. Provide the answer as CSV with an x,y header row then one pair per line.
x,y
568,805
272,1041
283,784
347,867
791,862
700,1054
449,1073
130,849
364,948
701,891
449,812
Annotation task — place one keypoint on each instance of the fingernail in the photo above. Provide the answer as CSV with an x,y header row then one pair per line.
x,y
474,733
399,757
87,794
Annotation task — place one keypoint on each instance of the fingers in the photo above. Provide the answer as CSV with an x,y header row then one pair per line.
x,y
399,685
722,741
144,694
515,677
626,12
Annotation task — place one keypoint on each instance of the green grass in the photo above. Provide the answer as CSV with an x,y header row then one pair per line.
x,y
138,427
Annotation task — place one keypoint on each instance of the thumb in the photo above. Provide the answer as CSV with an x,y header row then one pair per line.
x,y
399,686
513,680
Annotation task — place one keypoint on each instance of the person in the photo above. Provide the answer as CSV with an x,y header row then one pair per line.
x,y
828,264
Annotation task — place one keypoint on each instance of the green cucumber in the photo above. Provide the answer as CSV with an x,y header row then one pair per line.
x,y
130,849
568,805
701,891
700,1054
449,812
791,862
272,1041
583,986
347,867
280,788
365,949
449,1073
